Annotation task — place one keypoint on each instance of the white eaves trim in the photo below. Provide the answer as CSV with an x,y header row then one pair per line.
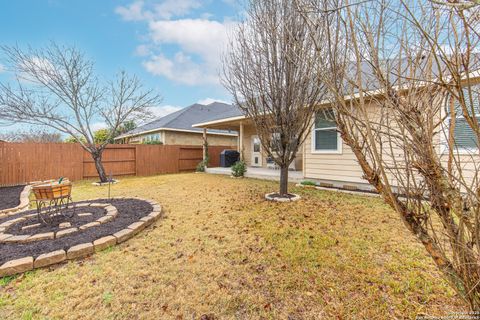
x,y
473,75
203,124
176,130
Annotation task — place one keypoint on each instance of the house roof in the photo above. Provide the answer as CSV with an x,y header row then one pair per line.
x,y
369,84
182,120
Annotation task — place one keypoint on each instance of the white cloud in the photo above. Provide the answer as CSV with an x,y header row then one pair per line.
x,y
181,69
133,12
197,43
97,126
208,101
167,9
164,110
142,50
2,68
201,43
204,37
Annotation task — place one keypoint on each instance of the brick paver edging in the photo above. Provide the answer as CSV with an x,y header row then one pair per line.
x,y
84,249
24,202
110,213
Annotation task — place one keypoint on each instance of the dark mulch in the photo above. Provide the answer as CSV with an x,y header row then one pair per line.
x,y
75,221
10,197
129,211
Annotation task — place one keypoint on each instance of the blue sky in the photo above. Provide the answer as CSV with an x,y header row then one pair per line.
x,y
173,46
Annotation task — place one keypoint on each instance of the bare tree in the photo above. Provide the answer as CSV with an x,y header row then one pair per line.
x,y
271,72
57,88
457,4
32,135
402,78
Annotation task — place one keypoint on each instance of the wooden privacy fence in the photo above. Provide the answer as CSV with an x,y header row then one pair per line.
x,y
25,162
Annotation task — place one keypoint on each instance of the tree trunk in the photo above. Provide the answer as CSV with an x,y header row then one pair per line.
x,y
284,180
97,158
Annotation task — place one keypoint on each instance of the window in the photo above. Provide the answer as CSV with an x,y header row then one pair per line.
x,y
151,137
465,138
325,138
256,145
275,143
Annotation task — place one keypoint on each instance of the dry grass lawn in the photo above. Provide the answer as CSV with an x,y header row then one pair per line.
x,y
222,250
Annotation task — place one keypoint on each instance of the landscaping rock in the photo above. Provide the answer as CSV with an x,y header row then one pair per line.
x,y
123,235
148,220
62,233
137,226
41,236
85,214
30,226
80,250
101,205
16,266
21,238
50,258
105,219
155,214
64,225
10,222
5,236
89,225
130,215
104,243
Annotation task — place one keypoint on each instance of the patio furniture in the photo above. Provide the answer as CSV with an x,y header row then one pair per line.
x,y
272,165
228,158
53,199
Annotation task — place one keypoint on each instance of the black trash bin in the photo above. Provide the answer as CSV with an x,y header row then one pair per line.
x,y
228,158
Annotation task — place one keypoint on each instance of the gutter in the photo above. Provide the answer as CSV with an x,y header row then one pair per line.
x,y
174,130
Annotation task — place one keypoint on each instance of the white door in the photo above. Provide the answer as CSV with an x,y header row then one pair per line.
x,y
256,152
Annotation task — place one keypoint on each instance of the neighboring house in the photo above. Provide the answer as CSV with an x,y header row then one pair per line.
x,y
176,128
323,157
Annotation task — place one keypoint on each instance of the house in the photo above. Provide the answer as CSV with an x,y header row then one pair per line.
x,y
324,157
176,128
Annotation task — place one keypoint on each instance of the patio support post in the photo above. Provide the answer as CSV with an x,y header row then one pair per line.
x,y
205,144
240,142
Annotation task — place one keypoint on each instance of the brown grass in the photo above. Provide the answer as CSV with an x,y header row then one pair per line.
x,y
222,250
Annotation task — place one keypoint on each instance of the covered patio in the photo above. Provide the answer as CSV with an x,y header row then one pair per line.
x,y
259,173
251,151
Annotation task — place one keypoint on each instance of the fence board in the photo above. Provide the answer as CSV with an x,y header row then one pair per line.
x,y
25,162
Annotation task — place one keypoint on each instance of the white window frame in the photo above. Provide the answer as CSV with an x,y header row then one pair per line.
x,y
443,136
339,149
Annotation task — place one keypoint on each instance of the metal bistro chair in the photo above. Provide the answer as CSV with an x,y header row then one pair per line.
x,y
53,199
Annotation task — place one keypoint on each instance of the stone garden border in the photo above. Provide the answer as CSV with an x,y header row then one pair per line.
x,y
110,213
99,184
24,202
82,250
270,197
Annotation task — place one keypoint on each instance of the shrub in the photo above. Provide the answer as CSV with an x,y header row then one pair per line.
x,y
202,165
153,142
308,183
239,169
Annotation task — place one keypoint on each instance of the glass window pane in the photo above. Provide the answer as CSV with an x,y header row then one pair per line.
x,y
464,135
256,145
326,140
470,95
325,119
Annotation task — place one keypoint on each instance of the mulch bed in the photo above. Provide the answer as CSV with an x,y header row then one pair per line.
x,y
75,221
10,197
129,211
